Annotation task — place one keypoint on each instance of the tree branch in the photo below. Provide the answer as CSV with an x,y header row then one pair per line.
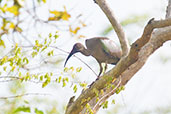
x,y
168,10
22,95
141,49
116,25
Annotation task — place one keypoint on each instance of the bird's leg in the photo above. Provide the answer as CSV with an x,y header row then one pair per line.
x,y
101,69
105,68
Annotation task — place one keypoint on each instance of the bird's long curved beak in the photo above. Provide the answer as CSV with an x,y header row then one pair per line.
x,y
71,53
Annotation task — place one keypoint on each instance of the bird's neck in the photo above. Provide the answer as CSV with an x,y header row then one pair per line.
x,y
85,52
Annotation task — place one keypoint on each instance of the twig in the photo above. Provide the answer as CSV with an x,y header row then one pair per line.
x,y
26,94
76,57
168,10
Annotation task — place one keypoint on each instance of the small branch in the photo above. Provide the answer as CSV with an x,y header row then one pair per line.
x,y
116,25
76,57
168,10
26,94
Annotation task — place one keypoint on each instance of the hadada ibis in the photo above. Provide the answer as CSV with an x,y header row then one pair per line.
x,y
102,49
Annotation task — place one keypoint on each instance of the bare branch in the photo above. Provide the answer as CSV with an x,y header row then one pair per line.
x,y
168,10
116,25
22,95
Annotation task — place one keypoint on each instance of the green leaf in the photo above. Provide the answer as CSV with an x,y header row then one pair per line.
x,y
50,35
113,101
105,104
44,48
26,102
25,60
134,19
22,109
18,51
56,36
34,54
64,84
50,53
44,1
38,111
2,43
44,84
20,74
130,20
5,68
59,79
41,78
66,69
78,69
36,42
13,68
75,88
19,61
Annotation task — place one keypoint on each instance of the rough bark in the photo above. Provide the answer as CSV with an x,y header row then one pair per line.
x,y
155,34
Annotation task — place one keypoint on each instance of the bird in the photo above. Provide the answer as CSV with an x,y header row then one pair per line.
x,y
102,49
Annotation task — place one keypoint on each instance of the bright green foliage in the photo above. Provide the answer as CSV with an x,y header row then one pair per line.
x,y
50,53
38,111
22,109
25,60
59,79
113,101
44,1
64,80
75,88
34,54
29,51
2,43
83,85
118,90
78,69
96,92
105,104
66,69
88,109
71,68
130,20
47,78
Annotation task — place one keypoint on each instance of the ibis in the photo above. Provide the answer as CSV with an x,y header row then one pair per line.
x,y
102,49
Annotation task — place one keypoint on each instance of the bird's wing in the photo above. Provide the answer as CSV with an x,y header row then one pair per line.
x,y
109,47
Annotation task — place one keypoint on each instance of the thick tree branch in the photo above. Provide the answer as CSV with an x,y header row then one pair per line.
x,y
141,49
116,25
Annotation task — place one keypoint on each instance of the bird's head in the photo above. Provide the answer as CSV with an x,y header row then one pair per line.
x,y
76,48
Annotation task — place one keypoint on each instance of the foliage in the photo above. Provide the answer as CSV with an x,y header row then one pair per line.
x,y
134,19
